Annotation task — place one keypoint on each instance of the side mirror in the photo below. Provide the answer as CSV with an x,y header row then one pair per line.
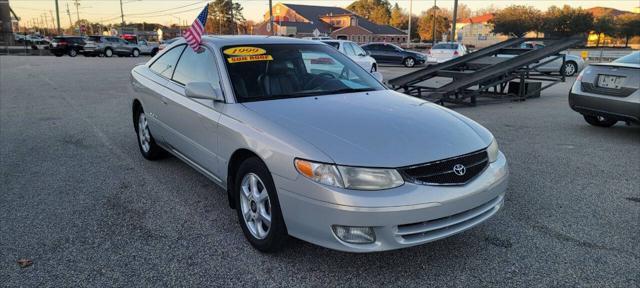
x,y
203,90
377,75
367,52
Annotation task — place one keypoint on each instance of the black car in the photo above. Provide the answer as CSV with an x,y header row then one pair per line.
x,y
389,53
70,45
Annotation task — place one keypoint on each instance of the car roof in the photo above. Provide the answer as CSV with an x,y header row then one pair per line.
x,y
222,40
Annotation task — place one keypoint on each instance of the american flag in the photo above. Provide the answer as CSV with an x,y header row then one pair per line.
x,y
194,34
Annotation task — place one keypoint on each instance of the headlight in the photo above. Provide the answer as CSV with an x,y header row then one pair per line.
x,y
493,150
349,177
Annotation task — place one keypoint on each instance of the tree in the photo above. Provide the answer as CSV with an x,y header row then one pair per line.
x,y
516,20
492,9
425,23
225,17
398,18
603,25
567,21
464,11
627,26
377,11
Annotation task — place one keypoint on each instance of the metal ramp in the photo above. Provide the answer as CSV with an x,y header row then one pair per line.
x,y
476,74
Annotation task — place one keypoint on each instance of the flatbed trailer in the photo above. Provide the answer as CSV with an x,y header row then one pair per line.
x,y
483,74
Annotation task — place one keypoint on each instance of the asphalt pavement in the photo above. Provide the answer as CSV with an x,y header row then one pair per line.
x,y
80,202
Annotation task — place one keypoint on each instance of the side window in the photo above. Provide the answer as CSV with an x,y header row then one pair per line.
x,y
197,67
358,50
348,48
167,62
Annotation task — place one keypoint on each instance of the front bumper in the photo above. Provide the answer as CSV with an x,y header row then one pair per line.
x,y
416,214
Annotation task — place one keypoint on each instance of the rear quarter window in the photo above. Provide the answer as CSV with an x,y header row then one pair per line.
x,y
166,63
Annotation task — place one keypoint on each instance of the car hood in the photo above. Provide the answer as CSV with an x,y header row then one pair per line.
x,y
376,129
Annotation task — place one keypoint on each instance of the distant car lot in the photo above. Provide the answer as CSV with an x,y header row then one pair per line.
x,y
80,202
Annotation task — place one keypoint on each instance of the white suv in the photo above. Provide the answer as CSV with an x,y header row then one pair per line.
x,y
355,52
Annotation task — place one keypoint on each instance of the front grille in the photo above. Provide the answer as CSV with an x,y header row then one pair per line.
x,y
442,227
442,172
622,92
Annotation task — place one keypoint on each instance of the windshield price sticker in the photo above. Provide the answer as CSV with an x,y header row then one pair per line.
x,y
244,51
240,59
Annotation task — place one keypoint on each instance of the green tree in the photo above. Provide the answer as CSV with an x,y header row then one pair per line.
x,y
516,20
603,25
377,11
567,21
425,23
225,17
627,26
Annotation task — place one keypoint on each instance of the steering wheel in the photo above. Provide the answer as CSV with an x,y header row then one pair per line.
x,y
327,75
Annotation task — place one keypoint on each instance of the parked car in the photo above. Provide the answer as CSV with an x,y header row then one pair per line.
x,y
573,64
445,51
319,38
355,52
111,45
389,53
339,161
70,45
42,44
605,93
147,48
167,42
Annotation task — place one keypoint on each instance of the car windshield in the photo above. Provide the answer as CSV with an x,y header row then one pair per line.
x,y
277,71
633,58
447,46
332,43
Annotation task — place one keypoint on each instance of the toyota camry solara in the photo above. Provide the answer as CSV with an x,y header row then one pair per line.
x,y
309,144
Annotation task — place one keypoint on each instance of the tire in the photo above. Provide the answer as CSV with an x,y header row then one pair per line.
x,y
252,207
108,52
409,62
73,53
569,69
374,68
58,54
135,53
154,52
147,144
599,121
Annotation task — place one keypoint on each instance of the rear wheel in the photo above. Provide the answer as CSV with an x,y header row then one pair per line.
x,y
600,121
409,62
108,52
259,211
569,69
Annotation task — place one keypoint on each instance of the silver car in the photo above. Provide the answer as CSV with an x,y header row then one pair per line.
x,y
332,158
605,93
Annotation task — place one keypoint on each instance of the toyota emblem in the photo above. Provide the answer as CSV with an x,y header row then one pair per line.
x,y
459,169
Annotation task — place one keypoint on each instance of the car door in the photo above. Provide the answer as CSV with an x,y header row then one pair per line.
x,y
376,52
393,54
194,122
155,91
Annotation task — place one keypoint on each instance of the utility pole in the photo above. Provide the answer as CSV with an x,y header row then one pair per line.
x,y
410,16
69,14
435,14
273,32
53,24
233,23
121,18
455,17
58,18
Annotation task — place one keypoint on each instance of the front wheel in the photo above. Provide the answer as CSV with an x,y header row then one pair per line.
x,y
73,53
600,121
569,69
148,146
108,52
259,211
135,53
409,62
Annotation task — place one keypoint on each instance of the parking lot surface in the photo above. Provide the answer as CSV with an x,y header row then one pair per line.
x,y
78,199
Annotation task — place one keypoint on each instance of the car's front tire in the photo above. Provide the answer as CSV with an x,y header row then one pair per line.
x,y
108,52
599,121
73,52
409,62
147,144
135,53
258,207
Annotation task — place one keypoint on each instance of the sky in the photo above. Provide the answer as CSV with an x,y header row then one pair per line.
x,y
168,12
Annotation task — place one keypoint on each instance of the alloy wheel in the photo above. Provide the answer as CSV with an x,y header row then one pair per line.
x,y
143,133
409,62
569,69
255,206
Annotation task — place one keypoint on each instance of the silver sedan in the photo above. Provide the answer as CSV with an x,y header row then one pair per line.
x,y
307,144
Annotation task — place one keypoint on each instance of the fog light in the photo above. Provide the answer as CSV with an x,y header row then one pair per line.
x,y
354,235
